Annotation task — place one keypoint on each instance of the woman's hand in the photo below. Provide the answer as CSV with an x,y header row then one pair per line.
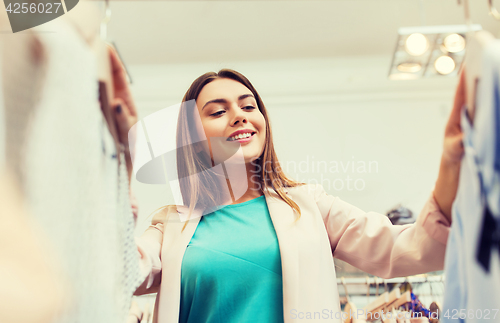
x,y
123,105
453,150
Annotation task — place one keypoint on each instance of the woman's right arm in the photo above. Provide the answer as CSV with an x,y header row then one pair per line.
x,y
149,247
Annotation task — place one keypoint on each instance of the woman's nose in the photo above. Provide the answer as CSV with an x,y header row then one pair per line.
x,y
239,117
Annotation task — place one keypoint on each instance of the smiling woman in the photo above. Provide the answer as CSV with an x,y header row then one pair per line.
x,y
230,114
266,254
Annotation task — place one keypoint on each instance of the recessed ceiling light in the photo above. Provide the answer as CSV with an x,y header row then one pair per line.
x,y
444,65
409,67
454,43
416,44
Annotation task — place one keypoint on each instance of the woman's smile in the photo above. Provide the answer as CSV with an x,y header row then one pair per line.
x,y
242,136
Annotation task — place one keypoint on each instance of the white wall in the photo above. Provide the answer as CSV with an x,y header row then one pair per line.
x,y
341,110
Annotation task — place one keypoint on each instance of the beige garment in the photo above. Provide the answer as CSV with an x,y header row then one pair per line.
x,y
30,290
367,240
67,162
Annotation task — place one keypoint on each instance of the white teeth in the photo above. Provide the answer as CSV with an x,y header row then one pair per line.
x,y
240,136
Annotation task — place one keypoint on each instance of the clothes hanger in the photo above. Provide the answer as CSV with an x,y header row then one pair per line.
x,y
476,43
422,319
434,307
391,298
394,295
400,316
404,299
377,305
350,308
390,318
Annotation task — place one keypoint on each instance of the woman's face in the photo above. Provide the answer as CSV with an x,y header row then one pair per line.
x,y
230,118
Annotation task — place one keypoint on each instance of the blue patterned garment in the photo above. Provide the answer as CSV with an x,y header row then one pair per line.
x,y
472,264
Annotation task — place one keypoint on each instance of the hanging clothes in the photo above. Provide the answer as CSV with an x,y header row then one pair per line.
x,y
472,289
67,161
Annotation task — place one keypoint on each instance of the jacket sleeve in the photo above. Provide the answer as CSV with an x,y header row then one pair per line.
x,y
370,242
149,247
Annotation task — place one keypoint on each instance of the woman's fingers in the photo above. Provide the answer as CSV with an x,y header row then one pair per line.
x,y
458,104
118,70
120,82
124,119
453,145
453,148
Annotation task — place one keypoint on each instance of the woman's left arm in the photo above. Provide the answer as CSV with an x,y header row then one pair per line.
x,y
447,182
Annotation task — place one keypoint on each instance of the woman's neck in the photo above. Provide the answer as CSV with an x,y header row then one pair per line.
x,y
243,182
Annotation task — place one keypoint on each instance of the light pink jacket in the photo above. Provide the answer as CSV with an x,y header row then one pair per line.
x,y
366,240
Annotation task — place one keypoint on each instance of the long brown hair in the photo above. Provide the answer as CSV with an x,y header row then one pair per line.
x,y
201,191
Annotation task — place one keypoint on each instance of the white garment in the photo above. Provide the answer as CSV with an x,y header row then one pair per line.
x,y
72,182
471,293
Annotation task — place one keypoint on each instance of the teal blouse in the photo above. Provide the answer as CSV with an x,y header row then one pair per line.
x,y
231,269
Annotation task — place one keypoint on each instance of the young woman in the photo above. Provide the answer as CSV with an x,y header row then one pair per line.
x,y
258,246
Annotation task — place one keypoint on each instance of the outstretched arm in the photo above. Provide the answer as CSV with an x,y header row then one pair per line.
x,y
447,182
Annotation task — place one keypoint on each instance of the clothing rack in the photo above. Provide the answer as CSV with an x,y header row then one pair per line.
x,y
365,290
377,280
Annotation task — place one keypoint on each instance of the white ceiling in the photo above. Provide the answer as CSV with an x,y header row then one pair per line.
x,y
159,32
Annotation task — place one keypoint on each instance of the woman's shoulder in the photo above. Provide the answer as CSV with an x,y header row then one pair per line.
x,y
313,190
175,213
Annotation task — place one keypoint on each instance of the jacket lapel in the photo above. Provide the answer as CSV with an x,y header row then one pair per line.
x,y
174,246
308,272
283,216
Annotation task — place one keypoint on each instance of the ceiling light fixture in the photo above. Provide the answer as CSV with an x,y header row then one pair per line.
x,y
428,51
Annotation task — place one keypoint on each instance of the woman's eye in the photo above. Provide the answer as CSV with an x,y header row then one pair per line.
x,y
249,107
218,113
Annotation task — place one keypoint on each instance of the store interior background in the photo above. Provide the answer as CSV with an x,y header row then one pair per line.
x,y
321,68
